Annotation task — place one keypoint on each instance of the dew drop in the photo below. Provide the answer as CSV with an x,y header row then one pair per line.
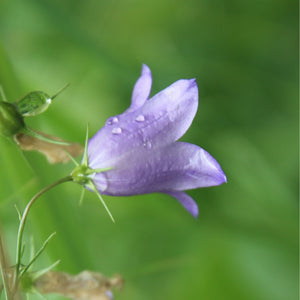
x,y
116,130
140,118
112,120
147,144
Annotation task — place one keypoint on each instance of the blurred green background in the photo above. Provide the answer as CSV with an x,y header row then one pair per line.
x,y
244,55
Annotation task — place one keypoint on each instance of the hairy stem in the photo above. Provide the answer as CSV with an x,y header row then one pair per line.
x,y
22,225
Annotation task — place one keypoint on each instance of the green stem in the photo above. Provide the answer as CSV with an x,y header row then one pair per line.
x,y
30,132
23,220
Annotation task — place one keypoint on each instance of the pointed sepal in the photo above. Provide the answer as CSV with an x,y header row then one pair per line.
x,y
85,155
92,186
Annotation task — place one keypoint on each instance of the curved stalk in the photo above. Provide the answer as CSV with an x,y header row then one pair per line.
x,y
23,220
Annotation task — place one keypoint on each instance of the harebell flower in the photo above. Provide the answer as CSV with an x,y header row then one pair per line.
x,y
137,152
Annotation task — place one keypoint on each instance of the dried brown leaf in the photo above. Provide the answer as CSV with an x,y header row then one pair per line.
x,y
86,285
53,152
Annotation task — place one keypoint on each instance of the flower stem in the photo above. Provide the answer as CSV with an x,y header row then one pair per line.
x,y
22,225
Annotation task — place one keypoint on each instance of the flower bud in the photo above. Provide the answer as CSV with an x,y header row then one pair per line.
x,y
34,103
11,122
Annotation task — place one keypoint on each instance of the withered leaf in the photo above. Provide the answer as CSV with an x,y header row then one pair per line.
x,y
54,153
86,285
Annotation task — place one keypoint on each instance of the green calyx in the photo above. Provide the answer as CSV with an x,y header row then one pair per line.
x,y
82,174
11,122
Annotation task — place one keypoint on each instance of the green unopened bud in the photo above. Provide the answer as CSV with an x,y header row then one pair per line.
x,y
11,122
34,103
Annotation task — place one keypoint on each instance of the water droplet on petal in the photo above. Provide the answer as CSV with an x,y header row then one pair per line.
x,y
112,120
116,130
147,144
140,118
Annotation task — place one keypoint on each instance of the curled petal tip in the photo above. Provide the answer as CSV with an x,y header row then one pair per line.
x,y
210,166
194,87
224,178
195,211
187,202
193,81
145,69
142,88
221,177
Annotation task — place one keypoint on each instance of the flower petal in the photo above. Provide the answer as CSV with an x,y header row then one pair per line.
x,y
176,167
141,90
162,120
187,202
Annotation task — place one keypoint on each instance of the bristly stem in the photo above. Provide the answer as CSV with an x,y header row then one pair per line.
x,y
35,257
22,224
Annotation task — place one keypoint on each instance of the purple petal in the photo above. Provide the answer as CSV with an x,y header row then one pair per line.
x,y
187,202
141,90
162,120
176,167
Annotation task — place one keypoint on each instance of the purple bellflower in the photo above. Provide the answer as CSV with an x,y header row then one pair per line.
x,y
137,152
